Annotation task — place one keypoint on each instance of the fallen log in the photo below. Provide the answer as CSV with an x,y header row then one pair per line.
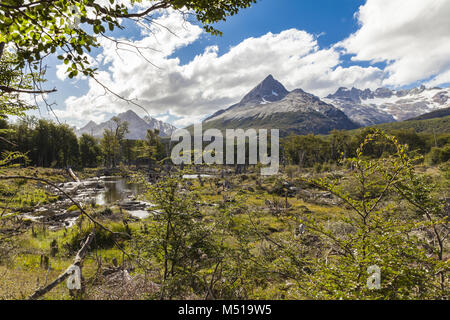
x,y
73,175
77,263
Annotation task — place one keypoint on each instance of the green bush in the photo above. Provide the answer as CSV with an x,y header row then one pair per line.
x,y
439,155
318,167
103,239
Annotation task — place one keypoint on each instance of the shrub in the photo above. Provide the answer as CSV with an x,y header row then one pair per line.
x,y
103,239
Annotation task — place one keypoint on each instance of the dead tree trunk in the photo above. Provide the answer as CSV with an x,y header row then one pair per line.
x,y
2,47
77,262
73,175
301,156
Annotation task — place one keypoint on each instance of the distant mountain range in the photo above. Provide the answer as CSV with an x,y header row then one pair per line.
x,y
270,106
137,126
367,107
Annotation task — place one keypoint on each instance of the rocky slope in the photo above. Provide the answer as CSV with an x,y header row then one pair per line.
x,y
270,106
441,113
367,107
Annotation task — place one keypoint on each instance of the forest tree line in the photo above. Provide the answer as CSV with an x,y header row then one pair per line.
x,y
49,144
310,150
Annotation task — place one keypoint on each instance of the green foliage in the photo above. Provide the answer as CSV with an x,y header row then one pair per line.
x,y
48,144
440,113
11,76
314,151
439,155
177,239
73,208
45,143
305,150
38,29
430,126
8,159
113,141
103,239
90,152
387,201
241,269
150,150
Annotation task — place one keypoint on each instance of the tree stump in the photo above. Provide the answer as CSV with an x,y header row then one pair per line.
x,y
45,261
53,248
127,227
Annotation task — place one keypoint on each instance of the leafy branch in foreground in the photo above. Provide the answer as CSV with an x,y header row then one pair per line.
x,y
177,240
70,29
14,83
390,211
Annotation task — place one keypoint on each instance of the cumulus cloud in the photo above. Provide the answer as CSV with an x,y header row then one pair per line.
x,y
411,36
189,92
443,78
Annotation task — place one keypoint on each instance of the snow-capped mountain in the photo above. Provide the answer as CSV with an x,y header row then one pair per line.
x,y
367,107
165,129
270,90
137,126
270,105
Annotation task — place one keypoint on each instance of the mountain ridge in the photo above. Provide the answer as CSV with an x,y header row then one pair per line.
x,y
137,126
269,88
441,113
383,105
270,105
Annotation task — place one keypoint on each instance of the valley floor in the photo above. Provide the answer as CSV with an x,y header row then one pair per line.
x,y
32,255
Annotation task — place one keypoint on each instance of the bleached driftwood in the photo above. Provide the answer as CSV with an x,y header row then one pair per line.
x,y
73,175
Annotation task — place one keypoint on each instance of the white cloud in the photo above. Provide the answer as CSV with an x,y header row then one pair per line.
x,y
163,118
443,78
411,36
210,81
188,120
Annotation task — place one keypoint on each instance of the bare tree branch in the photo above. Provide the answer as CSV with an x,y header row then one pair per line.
x,y
10,90
2,47
77,262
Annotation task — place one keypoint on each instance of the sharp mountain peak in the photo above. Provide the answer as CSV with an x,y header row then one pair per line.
x,y
269,90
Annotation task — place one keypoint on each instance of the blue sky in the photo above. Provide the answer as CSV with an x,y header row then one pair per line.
x,y
333,19
316,45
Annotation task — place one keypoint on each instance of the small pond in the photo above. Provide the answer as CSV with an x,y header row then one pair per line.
x,y
117,189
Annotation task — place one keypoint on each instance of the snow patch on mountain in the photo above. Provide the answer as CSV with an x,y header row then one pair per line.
x,y
383,105
270,105
137,126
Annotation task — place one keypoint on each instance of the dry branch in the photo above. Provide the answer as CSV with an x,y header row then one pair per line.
x,y
77,262
11,90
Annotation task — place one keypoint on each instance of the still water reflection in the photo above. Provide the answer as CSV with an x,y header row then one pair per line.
x,y
118,189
